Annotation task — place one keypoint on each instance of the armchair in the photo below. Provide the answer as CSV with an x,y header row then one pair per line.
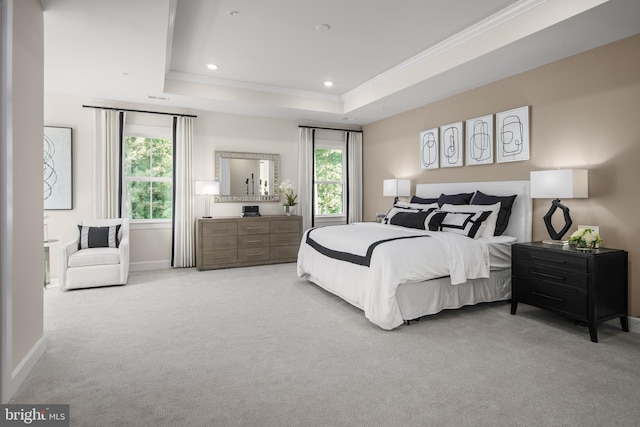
x,y
102,261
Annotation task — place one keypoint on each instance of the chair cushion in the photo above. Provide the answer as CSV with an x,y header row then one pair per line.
x,y
94,256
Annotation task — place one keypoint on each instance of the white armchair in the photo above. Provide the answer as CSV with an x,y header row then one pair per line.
x,y
96,265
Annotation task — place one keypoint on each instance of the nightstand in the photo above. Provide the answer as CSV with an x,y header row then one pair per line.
x,y
586,286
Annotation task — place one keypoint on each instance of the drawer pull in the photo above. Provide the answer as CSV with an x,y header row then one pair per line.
x,y
547,296
557,261
254,241
258,254
254,228
548,276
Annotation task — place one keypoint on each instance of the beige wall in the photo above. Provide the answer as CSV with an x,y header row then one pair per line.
x,y
585,113
22,233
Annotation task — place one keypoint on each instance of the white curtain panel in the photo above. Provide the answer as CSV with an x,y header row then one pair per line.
x,y
305,176
183,218
354,178
107,163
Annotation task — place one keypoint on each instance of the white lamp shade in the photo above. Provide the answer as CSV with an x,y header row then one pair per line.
x,y
396,187
208,188
560,184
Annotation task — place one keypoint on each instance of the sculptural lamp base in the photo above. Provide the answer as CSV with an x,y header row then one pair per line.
x,y
556,236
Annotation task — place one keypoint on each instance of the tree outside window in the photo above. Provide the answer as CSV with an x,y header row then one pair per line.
x,y
148,177
329,182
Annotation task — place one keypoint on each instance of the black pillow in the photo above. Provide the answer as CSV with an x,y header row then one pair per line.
x,y
411,219
416,199
506,203
455,199
98,237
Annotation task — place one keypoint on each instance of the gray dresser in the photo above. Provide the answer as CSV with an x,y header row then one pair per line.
x,y
239,242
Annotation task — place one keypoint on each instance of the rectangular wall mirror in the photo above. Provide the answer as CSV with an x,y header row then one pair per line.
x,y
247,177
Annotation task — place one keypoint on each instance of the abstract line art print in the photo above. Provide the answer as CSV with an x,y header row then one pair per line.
x,y
57,168
479,139
512,135
451,145
429,149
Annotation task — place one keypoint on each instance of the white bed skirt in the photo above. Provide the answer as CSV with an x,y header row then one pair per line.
x,y
430,297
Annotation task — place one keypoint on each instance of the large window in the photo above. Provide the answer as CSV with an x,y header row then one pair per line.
x,y
147,177
329,180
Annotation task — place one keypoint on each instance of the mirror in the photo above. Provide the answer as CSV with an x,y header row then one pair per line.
x,y
247,177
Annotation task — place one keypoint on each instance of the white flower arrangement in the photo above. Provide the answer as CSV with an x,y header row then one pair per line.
x,y
288,188
585,238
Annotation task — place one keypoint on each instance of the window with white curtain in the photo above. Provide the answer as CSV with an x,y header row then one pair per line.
x,y
329,179
147,173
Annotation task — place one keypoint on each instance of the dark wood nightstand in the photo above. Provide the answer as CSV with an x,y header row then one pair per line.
x,y
585,286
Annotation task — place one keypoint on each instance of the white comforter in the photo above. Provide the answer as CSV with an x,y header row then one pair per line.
x,y
373,288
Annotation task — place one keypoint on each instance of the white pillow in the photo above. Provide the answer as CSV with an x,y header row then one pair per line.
x,y
488,227
407,207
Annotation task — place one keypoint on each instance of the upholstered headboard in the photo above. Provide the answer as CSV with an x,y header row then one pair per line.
x,y
520,221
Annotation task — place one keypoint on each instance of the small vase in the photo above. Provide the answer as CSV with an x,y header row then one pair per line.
x,y
288,210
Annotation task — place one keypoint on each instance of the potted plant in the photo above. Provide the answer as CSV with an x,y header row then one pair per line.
x,y
287,188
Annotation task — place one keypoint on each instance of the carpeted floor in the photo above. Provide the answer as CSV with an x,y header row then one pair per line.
x,y
260,347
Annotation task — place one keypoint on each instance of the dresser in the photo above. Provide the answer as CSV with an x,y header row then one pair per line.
x,y
225,242
585,286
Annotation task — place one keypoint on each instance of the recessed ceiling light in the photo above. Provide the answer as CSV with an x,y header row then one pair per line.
x,y
212,66
328,83
323,27
233,12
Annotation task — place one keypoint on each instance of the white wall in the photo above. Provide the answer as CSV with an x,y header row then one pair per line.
x,y
151,245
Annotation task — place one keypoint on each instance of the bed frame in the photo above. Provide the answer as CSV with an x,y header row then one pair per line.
x,y
425,298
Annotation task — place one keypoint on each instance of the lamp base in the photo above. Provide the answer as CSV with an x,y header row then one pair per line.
x,y
556,242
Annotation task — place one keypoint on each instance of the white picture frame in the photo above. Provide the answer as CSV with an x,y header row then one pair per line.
x,y
479,140
512,135
429,149
451,145
57,168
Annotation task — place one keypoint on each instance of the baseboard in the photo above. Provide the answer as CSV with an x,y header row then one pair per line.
x,y
25,367
149,265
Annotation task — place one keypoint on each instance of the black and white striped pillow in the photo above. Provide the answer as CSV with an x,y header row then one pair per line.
x,y
465,223
98,237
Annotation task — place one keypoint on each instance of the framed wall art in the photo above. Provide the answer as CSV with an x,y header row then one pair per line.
x,y
451,145
512,135
479,140
429,149
58,168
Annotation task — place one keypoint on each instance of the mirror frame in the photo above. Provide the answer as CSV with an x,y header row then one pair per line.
x,y
249,156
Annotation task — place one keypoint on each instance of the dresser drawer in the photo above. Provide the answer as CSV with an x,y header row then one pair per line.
x,y
552,297
554,259
552,275
253,240
253,227
289,253
285,239
215,258
250,255
223,242
285,226
219,228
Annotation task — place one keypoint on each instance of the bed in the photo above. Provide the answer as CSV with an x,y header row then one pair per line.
x,y
396,274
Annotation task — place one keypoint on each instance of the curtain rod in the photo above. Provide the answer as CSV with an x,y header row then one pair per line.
x,y
342,130
138,111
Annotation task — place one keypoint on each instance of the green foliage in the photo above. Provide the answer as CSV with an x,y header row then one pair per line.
x,y
329,188
147,160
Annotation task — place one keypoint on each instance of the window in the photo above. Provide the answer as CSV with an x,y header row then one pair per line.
x,y
329,180
147,177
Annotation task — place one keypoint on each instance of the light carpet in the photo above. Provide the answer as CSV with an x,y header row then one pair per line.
x,y
259,347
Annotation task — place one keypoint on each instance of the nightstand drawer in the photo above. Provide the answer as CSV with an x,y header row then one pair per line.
x,y
552,297
554,276
555,259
